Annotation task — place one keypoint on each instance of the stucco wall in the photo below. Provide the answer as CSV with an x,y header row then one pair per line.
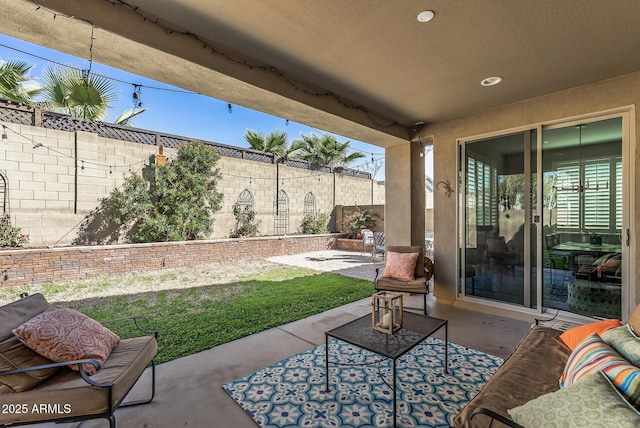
x,y
397,216
49,193
585,100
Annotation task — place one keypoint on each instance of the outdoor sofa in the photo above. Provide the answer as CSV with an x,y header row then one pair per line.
x,y
597,364
74,387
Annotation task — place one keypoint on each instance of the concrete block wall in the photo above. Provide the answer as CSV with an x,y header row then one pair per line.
x,y
355,191
297,183
378,193
38,177
258,178
107,162
50,193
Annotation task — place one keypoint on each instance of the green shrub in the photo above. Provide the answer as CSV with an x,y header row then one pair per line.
x,y
171,202
315,223
246,224
11,236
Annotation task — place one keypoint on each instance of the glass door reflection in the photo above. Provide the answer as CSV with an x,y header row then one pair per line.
x,y
496,226
582,253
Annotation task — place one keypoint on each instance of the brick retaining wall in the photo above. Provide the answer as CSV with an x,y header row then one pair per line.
x,y
33,266
352,245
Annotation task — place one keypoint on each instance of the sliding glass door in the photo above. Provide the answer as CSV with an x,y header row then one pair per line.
x,y
497,175
548,240
582,228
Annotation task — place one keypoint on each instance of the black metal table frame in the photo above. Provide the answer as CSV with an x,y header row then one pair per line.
x,y
393,358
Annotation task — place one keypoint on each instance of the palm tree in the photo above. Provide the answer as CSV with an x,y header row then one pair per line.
x,y
13,82
275,142
125,118
77,93
325,150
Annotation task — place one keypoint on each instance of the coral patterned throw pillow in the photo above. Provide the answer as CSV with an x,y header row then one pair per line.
x,y
61,334
400,266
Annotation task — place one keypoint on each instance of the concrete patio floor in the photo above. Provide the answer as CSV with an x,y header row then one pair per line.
x,y
189,390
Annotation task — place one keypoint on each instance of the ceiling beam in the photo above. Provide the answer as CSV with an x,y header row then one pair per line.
x,y
129,40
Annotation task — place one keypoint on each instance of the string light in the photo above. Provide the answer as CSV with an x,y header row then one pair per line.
x,y
242,62
229,108
137,96
93,27
145,164
5,137
156,88
37,145
86,74
308,176
419,129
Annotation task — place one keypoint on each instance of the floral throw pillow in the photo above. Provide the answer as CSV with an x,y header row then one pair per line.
x,y
593,402
624,342
400,266
61,334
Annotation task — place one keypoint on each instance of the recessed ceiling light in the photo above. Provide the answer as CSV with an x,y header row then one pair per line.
x,y
426,15
490,81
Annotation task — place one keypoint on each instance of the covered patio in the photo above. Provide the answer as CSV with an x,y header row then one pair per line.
x,y
376,73
189,390
373,71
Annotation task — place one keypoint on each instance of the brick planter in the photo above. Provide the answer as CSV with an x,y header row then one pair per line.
x,y
33,266
351,245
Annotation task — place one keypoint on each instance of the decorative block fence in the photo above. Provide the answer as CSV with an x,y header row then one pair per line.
x,y
54,169
21,267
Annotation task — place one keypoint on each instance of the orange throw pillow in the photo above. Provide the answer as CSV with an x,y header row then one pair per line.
x,y
400,266
575,335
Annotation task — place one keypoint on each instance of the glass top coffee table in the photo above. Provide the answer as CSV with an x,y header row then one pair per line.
x,y
415,329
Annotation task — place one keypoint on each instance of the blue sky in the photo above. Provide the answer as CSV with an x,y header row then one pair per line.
x,y
173,110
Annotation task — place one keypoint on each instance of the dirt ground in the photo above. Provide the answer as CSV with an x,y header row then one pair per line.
x,y
138,282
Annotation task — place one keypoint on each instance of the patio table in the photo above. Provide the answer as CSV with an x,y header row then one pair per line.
x,y
415,329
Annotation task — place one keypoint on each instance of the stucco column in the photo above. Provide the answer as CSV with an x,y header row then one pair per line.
x,y
418,195
404,195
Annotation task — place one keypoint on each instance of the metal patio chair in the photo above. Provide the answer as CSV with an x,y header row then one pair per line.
x,y
367,240
378,244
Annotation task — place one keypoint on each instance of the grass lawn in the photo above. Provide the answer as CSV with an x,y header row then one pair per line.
x,y
197,308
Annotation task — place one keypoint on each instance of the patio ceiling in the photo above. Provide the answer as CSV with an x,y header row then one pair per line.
x,y
366,69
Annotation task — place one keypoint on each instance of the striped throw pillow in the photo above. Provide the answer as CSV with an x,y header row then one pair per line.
x,y
592,355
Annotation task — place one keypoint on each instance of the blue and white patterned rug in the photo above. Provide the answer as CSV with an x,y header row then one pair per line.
x,y
291,393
